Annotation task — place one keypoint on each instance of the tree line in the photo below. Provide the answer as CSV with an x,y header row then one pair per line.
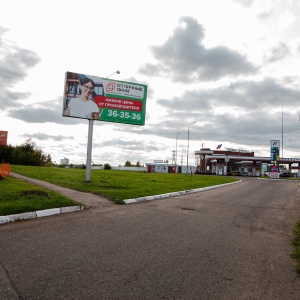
x,y
26,154
129,164
29,154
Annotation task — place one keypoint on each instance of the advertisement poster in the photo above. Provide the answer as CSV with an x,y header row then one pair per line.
x,y
103,99
3,137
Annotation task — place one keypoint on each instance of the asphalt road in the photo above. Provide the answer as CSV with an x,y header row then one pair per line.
x,y
227,243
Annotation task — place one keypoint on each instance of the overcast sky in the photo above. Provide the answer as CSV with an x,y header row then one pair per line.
x,y
232,66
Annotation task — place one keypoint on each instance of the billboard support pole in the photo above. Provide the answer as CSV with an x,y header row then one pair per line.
x,y
89,151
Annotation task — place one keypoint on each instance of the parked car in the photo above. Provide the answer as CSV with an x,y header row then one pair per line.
x,y
246,173
199,171
285,174
235,173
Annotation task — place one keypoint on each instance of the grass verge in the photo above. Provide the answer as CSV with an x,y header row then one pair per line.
x,y
121,185
18,197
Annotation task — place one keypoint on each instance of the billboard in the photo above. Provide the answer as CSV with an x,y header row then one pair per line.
x,y
103,99
3,137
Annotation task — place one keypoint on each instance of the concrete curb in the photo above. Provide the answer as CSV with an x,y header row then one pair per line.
x,y
155,197
39,214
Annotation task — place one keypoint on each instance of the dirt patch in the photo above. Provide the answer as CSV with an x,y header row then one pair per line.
x,y
35,193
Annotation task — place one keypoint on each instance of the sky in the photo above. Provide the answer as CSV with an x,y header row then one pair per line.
x,y
230,66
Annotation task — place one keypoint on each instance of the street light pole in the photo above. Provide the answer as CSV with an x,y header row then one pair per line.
x,y
187,154
282,131
176,153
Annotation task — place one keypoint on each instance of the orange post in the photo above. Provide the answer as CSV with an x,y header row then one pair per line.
x,y
5,169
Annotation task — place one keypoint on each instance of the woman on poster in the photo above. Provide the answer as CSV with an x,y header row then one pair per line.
x,y
83,106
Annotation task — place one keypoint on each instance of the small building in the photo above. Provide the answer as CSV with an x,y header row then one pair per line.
x,y
161,167
65,161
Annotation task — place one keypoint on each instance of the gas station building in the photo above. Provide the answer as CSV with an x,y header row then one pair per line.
x,y
219,161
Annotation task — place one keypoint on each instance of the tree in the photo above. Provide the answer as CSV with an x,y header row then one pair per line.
x,y
6,153
128,164
138,164
25,154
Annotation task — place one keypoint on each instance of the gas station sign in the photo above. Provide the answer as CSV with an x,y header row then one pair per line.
x,y
274,156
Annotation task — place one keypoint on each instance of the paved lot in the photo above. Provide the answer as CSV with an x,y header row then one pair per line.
x,y
227,243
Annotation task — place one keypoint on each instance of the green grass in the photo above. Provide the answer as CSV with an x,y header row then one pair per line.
x,y
296,243
120,185
18,197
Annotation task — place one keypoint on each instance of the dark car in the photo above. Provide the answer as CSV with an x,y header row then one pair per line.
x,y
285,174
235,173
246,173
198,170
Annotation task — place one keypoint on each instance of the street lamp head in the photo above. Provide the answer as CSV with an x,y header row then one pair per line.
x,y
116,72
193,123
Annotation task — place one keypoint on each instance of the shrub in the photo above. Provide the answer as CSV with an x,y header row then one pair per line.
x,y
107,167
